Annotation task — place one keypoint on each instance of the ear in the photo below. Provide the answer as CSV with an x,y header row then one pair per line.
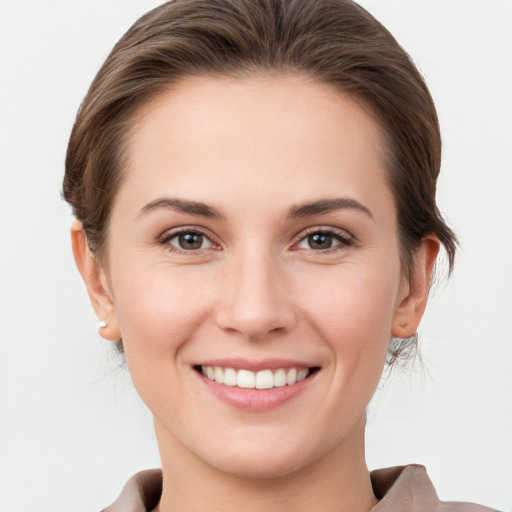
x,y
414,292
96,282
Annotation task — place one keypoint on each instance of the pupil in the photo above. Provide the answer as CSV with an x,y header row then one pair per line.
x,y
191,241
320,241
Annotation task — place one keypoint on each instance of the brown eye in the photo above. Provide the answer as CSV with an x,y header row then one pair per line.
x,y
320,241
324,240
189,241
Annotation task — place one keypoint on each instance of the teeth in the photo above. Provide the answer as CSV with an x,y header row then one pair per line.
x,y
230,377
302,374
219,375
264,379
245,379
280,378
291,376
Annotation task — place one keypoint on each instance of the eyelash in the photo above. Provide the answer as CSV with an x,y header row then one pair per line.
x,y
170,235
343,238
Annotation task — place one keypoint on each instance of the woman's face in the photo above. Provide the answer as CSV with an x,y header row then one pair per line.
x,y
253,240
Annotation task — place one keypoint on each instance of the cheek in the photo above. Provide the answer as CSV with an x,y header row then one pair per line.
x,y
353,312
352,305
159,310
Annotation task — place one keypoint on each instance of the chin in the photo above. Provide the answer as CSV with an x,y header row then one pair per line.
x,y
261,460
260,469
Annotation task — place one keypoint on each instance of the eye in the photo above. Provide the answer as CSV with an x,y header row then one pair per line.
x,y
187,241
323,240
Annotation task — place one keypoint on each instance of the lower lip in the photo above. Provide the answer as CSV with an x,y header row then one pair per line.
x,y
256,399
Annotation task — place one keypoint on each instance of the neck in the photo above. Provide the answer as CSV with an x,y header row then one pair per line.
x,y
339,482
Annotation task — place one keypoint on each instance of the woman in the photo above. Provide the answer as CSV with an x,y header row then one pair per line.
x,y
254,187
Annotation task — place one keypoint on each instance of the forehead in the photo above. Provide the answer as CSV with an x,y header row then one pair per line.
x,y
219,138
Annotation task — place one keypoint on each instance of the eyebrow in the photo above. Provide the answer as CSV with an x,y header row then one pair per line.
x,y
319,207
324,206
181,205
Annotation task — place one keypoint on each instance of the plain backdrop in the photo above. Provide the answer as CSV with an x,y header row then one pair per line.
x,y
72,429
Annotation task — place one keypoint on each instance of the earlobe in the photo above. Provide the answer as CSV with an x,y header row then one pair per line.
x,y
412,305
96,283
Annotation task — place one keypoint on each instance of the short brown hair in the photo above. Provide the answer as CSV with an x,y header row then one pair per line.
x,y
333,41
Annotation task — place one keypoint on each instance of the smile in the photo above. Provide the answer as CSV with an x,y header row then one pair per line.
x,y
263,379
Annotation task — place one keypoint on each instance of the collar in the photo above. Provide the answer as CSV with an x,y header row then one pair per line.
x,y
399,489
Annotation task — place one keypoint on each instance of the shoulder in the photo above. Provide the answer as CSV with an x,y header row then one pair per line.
x,y
409,489
141,493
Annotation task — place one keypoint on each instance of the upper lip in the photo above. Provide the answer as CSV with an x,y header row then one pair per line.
x,y
256,365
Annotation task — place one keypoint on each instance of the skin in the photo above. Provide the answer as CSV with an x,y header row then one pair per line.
x,y
254,150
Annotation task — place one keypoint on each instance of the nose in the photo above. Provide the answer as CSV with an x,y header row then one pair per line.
x,y
255,301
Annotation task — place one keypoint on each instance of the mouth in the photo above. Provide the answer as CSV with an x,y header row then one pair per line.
x,y
263,379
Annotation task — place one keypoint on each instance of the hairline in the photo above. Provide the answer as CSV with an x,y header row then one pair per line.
x,y
139,109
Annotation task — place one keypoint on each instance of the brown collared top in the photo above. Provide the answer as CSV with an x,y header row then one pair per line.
x,y
399,489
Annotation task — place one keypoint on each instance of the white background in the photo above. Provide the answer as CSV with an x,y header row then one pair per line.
x,y
71,427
